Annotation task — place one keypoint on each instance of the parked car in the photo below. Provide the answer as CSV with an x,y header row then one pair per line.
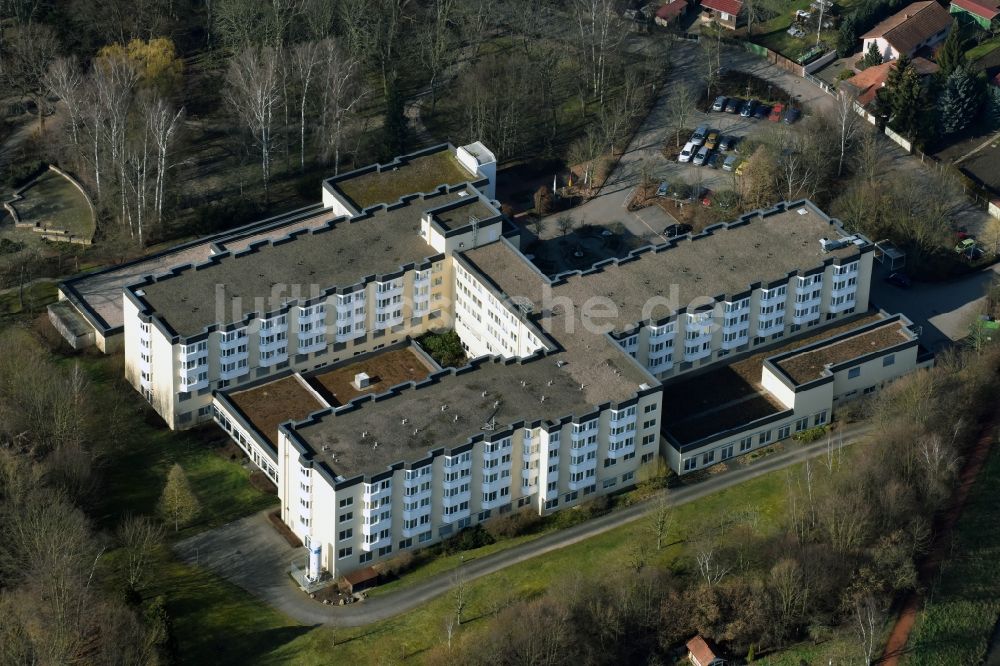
x,y
675,230
720,103
965,245
701,156
727,142
730,163
762,112
734,105
712,140
776,113
706,198
791,115
740,168
663,189
687,152
698,138
714,161
748,108
901,280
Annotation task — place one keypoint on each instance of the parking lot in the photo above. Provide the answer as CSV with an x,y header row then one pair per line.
x,y
726,124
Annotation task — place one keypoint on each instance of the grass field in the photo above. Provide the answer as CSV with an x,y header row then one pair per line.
x,y
982,49
55,203
135,472
213,617
964,604
35,297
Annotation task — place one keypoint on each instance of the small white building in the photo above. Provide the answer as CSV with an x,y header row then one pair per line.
x,y
918,25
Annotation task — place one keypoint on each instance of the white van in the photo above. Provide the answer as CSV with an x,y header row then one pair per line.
x,y
687,152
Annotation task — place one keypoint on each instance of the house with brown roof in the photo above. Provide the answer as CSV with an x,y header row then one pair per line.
x,y
917,25
864,85
670,12
981,12
727,13
700,653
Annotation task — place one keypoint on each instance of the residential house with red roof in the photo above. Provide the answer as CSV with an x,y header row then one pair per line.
x,y
669,13
727,13
918,25
865,85
981,12
700,653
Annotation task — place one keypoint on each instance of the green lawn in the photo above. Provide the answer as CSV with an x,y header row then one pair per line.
x,y
964,604
982,49
55,203
35,297
213,618
135,471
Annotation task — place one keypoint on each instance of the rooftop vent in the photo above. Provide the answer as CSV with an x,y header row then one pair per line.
x,y
829,245
361,381
405,421
455,420
483,394
444,408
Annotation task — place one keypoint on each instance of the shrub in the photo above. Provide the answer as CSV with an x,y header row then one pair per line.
x,y
468,539
810,435
397,566
445,348
21,174
513,524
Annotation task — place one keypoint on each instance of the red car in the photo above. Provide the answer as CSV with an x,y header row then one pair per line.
x,y
776,113
706,198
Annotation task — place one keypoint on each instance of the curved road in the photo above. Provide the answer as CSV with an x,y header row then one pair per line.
x,y
251,554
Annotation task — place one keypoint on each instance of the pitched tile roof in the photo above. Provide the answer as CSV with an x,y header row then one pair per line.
x,y
987,9
912,25
867,82
731,7
671,9
701,651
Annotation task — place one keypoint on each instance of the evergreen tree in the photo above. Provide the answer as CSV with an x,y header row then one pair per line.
x,y
394,129
951,55
961,100
847,36
992,106
904,93
872,56
178,504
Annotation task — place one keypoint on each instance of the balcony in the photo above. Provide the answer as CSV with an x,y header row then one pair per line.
x,y
529,453
805,318
237,371
233,343
843,290
851,271
581,484
189,384
375,527
623,450
278,356
846,305
274,344
375,545
455,517
374,493
661,334
740,339
313,317
381,325
693,354
499,501
501,482
413,514
773,325
772,296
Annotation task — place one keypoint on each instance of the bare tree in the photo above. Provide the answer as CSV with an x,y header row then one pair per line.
x,y
867,619
438,48
681,102
140,537
30,49
64,80
163,123
253,93
114,79
709,565
306,59
600,34
661,519
848,124
341,92
459,595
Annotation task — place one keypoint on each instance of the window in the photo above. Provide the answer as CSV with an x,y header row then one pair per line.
x,y
854,372
764,437
345,534
746,443
888,360
801,424
344,552
365,557
708,458
346,502
344,517
784,431
690,463
820,418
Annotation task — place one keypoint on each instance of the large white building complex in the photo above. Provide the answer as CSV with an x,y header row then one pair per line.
x,y
296,336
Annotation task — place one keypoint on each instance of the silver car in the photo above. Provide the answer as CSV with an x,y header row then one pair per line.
x,y
702,155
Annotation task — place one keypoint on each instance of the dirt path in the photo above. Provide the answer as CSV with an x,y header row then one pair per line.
x,y
899,636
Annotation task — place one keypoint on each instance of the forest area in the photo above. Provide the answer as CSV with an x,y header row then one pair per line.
x,y
182,117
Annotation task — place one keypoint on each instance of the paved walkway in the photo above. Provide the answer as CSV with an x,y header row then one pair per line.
x,y
251,554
